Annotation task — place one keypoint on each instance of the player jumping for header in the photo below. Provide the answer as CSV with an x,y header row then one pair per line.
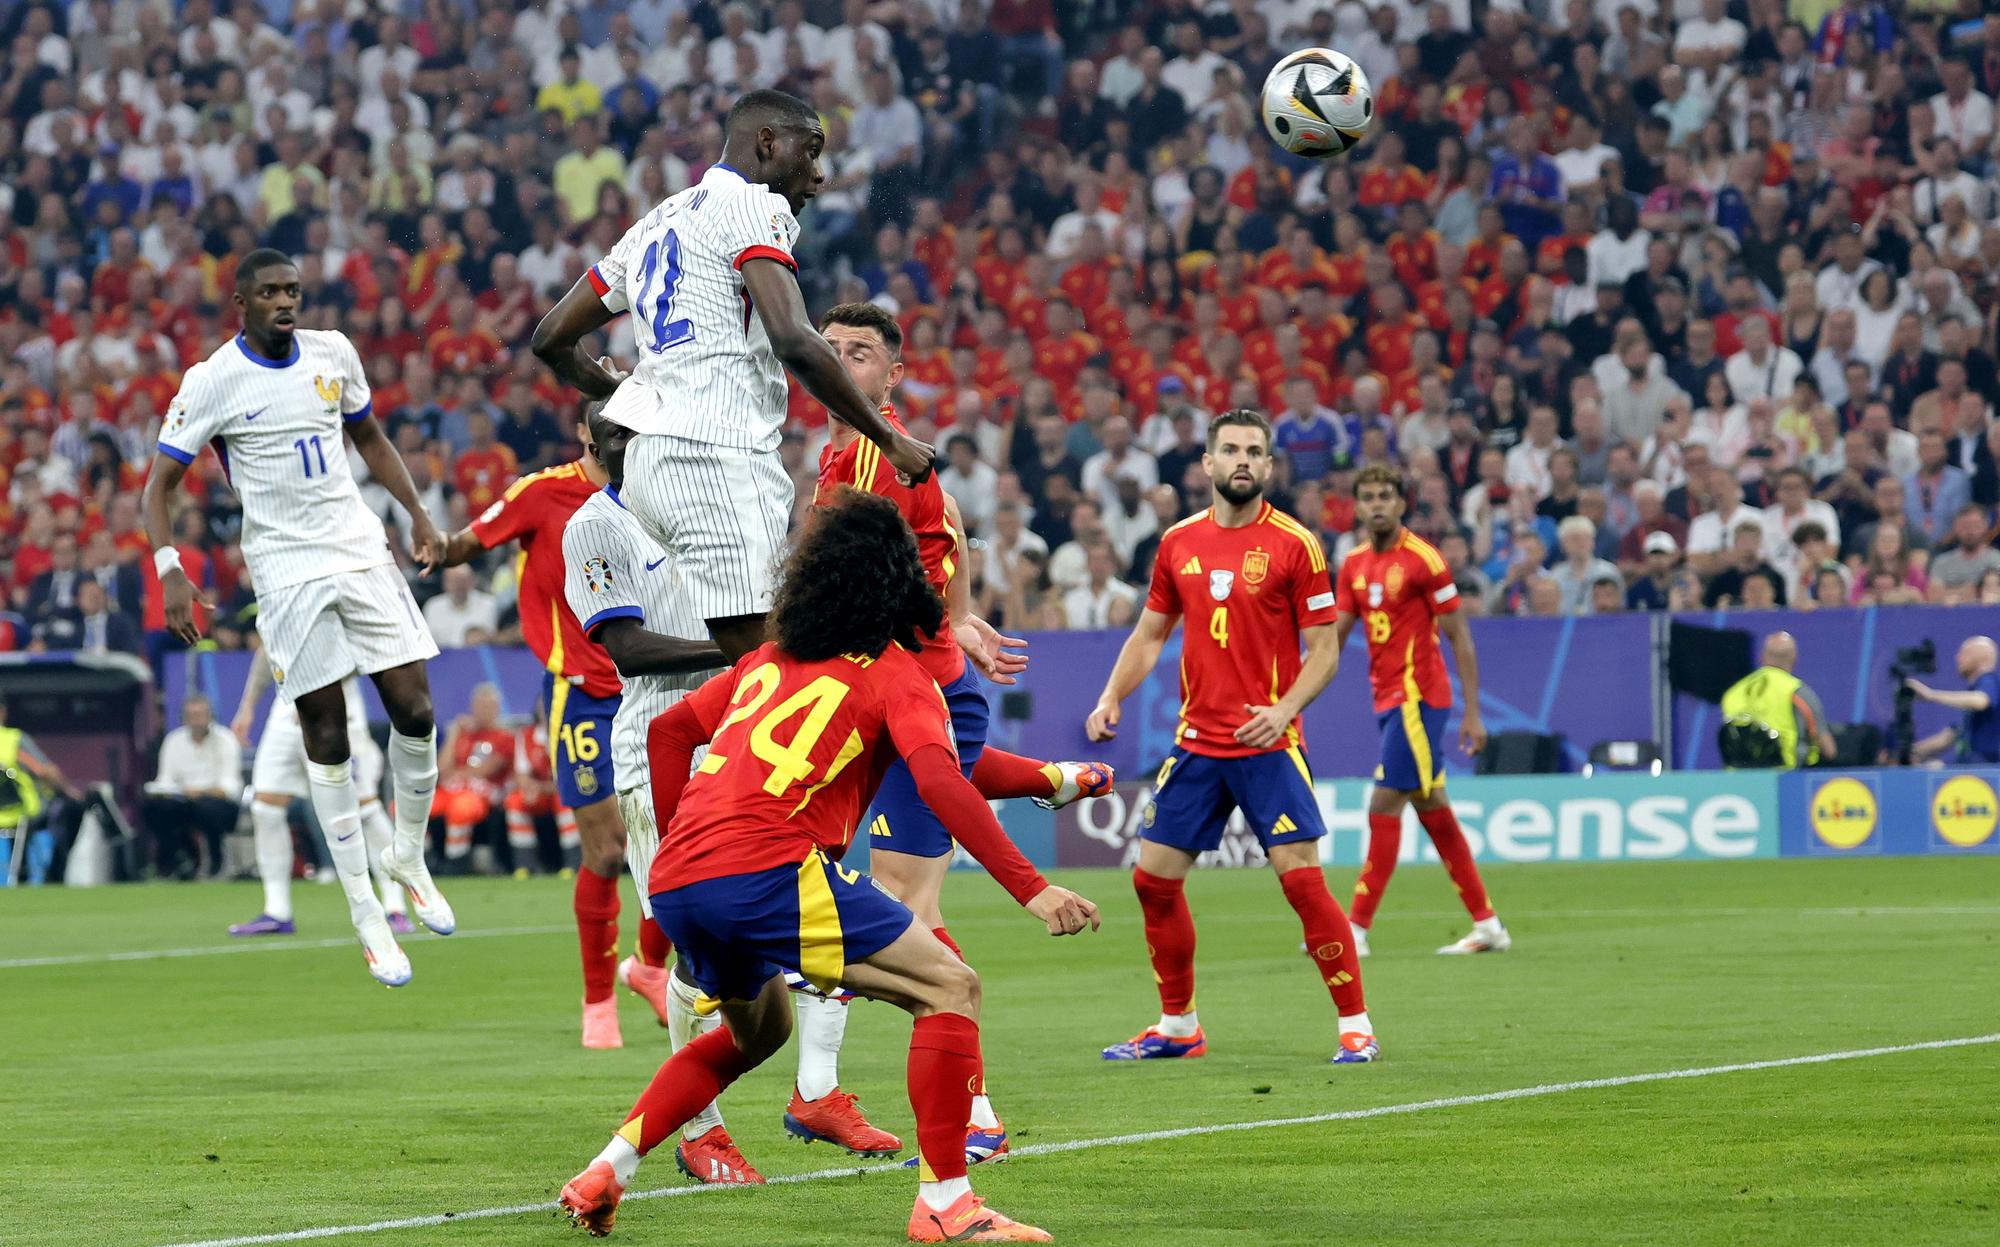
x,y
1400,586
274,401
1251,582
709,278
746,883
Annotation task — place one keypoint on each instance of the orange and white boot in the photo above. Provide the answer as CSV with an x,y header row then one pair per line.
x,y
648,983
712,1159
837,1118
600,1024
969,1220
590,1199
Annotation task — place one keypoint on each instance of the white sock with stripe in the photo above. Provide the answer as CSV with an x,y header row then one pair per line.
x,y
273,830
683,1025
822,1027
413,775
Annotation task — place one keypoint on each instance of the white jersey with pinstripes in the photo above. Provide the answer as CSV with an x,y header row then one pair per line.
x,y
706,371
615,570
276,427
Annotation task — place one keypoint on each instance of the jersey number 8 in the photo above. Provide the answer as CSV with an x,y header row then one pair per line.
x,y
1378,627
666,262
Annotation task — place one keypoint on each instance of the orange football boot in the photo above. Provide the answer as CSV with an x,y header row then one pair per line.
x,y
648,983
835,1118
591,1199
713,1160
969,1220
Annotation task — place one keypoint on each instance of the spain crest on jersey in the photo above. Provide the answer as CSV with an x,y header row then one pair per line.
x,y
328,389
1256,565
1394,578
597,574
1220,582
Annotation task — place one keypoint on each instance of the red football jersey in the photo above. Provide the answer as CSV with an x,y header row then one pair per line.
x,y
861,465
1398,596
796,752
533,512
1248,593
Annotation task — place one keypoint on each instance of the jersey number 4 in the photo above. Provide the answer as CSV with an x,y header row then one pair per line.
x,y
662,259
790,761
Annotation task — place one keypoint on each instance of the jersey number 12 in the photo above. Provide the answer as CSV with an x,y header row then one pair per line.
x,y
663,257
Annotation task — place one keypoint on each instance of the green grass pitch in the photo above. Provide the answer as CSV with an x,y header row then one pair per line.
x,y
157,1100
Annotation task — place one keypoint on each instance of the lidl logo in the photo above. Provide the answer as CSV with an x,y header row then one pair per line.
x,y
1964,811
1844,813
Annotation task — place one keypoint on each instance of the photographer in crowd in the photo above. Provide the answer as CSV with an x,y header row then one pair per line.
x,y
1979,739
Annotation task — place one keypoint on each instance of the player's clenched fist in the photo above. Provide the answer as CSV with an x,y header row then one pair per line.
x,y
1064,911
1103,721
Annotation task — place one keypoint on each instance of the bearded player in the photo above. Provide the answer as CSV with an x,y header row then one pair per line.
x,y
1400,586
1251,582
799,735
580,691
909,850
624,588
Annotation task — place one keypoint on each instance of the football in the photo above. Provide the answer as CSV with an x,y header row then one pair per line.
x,y
1317,103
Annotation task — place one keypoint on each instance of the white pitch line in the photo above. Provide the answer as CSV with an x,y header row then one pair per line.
x,y
274,944
260,944
1147,1136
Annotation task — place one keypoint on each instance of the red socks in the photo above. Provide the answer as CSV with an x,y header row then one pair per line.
x,y
944,1068
688,1083
1444,831
1329,939
596,904
653,944
1385,841
1169,938
999,775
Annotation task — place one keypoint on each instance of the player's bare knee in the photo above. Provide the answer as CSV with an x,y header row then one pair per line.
x,y
957,989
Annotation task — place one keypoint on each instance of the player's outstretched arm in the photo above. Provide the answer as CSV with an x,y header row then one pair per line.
x,y
177,591
1471,727
560,334
970,821
385,464
1136,660
1267,724
774,292
636,651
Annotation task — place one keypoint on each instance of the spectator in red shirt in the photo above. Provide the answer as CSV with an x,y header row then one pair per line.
x,y
1413,247
483,470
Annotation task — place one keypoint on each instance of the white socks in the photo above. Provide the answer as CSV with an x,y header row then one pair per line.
x,y
683,1024
942,1195
413,776
377,831
1489,927
983,1115
622,1157
822,1025
1351,1023
274,857
339,813
1179,1025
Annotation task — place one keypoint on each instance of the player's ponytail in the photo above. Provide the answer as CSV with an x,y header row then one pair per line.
x,y
854,583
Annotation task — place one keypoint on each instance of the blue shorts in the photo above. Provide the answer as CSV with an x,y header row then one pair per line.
x,y
736,932
579,742
1412,747
899,820
1194,794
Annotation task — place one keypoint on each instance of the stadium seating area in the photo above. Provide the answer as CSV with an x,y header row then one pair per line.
x,y
1659,306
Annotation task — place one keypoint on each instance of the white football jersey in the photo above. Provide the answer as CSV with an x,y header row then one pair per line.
x,y
613,570
706,370
276,427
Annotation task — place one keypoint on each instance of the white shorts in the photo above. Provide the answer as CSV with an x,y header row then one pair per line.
x,y
320,632
642,839
722,513
280,764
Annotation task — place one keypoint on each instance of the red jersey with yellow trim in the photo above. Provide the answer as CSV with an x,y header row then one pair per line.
x,y
1247,595
1398,594
797,750
533,512
861,465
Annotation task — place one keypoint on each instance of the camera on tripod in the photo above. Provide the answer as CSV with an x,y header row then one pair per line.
x,y
1910,661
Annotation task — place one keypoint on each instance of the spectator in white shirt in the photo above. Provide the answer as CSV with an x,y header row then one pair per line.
x,y
192,802
1103,600
1963,113
1710,532
462,615
1711,40
1122,78
1119,458
1795,506
1528,463
1761,370
1192,73
1839,283
1619,249
972,483
1582,162
1011,538
1945,180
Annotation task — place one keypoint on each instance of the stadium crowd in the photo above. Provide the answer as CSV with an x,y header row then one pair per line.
x,y
1657,306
